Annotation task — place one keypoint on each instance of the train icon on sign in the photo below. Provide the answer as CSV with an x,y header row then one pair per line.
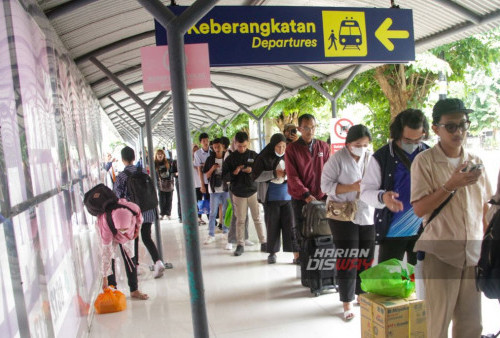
x,y
350,34
344,34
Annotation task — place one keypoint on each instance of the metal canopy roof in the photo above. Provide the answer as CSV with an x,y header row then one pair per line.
x,y
113,31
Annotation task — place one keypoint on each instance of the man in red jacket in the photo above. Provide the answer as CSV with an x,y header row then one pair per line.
x,y
304,161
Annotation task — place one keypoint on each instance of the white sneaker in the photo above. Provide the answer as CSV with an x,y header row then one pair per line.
x,y
229,246
249,242
158,269
210,239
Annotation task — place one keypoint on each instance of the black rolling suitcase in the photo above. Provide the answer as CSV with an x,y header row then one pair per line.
x,y
317,262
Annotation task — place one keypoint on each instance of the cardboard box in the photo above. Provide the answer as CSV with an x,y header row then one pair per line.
x,y
392,317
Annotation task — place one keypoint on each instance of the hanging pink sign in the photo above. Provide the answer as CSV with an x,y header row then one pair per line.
x,y
156,67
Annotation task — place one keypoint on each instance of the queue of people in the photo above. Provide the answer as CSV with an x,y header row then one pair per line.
x,y
394,193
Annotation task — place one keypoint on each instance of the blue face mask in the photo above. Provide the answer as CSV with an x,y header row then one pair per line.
x,y
279,155
409,147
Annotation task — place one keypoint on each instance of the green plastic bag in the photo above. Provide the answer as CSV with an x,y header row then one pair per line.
x,y
229,214
389,278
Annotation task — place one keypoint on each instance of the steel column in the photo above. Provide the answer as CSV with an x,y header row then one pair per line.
x,y
176,28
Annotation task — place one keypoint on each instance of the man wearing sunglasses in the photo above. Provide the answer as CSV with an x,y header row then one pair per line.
x,y
444,178
386,186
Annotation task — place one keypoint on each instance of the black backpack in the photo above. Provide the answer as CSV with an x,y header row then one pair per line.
x,y
141,190
101,199
488,267
315,223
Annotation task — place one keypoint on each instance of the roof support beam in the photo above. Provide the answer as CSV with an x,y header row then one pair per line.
x,y
341,90
114,45
125,111
318,87
119,73
118,82
206,114
245,109
160,113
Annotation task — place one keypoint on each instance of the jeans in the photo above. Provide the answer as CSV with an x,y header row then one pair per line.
x,y
216,199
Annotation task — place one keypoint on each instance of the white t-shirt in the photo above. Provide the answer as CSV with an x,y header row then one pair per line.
x,y
279,180
200,157
217,172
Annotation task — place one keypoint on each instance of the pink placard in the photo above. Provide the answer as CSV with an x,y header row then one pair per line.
x,y
156,67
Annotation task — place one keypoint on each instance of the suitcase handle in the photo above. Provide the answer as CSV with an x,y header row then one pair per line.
x,y
323,240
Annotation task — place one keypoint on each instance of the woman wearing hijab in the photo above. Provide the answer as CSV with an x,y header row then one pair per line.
x,y
354,231
269,172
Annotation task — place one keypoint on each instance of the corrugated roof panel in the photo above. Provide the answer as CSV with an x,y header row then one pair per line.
x,y
105,22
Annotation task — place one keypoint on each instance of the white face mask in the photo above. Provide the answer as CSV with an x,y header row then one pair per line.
x,y
409,147
279,155
358,151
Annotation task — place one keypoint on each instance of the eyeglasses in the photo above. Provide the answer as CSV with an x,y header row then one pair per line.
x,y
307,129
412,141
452,127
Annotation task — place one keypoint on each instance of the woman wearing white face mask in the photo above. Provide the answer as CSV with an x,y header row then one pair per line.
x,y
350,219
270,174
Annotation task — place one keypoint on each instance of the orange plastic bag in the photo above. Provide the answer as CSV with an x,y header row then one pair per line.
x,y
110,300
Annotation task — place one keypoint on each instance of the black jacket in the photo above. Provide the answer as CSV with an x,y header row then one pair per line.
x,y
388,161
242,185
208,164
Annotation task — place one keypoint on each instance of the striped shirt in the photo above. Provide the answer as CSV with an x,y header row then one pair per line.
x,y
121,191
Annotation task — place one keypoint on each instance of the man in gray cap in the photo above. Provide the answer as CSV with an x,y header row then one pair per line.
x,y
450,191
290,132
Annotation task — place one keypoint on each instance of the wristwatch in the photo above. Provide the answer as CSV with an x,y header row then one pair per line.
x,y
381,196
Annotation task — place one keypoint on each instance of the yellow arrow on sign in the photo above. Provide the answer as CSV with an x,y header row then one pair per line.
x,y
384,34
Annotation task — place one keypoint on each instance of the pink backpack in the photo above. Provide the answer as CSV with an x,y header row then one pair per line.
x,y
126,223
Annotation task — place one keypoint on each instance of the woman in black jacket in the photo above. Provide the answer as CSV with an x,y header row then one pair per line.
x,y
166,184
269,171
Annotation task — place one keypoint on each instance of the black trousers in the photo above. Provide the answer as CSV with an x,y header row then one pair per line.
x,y
396,247
279,220
166,202
297,206
148,242
130,269
179,211
347,235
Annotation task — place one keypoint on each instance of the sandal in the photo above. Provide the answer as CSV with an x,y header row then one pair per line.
x,y
348,315
139,295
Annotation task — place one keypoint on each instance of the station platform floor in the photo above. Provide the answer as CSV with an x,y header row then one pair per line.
x,y
245,297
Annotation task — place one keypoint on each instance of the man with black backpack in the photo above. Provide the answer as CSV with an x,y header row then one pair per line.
x,y
132,183
450,179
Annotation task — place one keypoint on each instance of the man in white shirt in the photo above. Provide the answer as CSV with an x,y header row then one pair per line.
x,y
200,157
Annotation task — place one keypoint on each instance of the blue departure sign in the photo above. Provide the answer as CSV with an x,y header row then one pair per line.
x,y
266,35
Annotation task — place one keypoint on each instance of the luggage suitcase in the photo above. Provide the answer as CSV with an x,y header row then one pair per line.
x,y
315,221
317,264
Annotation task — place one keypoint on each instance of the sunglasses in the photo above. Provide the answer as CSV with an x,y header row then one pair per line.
x,y
452,127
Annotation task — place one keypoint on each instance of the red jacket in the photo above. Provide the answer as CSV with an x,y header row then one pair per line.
x,y
303,169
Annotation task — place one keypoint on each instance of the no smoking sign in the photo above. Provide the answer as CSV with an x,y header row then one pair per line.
x,y
341,128
338,132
